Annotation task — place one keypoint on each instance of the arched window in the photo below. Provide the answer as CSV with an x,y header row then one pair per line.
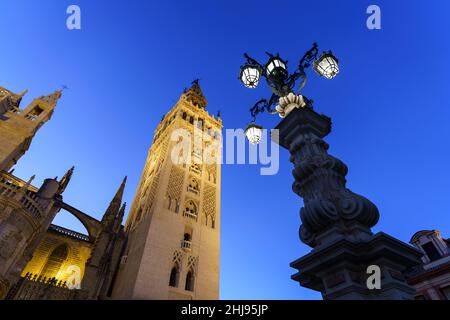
x,y
189,281
190,210
187,237
193,185
55,261
196,168
184,115
34,113
174,275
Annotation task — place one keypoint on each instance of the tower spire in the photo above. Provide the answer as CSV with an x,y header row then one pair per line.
x,y
52,99
114,206
195,95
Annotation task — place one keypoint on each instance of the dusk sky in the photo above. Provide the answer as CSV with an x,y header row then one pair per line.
x,y
130,61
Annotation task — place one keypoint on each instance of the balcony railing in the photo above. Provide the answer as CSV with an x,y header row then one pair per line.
x,y
68,232
190,215
193,190
34,287
11,186
186,245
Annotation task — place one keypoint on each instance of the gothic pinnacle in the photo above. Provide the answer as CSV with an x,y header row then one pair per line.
x,y
119,216
114,206
119,192
65,180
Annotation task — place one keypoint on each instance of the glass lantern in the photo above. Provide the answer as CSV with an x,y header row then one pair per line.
x,y
276,68
250,75
253,133
327,65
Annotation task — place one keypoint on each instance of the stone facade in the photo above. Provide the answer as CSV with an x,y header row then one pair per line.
x,y
58,252
431,279
39,260
25,211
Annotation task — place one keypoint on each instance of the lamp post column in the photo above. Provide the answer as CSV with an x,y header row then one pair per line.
x,y
336,222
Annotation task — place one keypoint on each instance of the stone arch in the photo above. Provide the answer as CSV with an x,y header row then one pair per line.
x,y
92,225
190,280
174,275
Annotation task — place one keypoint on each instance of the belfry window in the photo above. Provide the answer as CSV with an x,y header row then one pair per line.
x,y
34,113
200,123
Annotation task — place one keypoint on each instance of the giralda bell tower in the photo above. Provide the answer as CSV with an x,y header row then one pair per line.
x,y
174,222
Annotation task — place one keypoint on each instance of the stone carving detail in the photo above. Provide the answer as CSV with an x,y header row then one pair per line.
x,y
209,204
192,264
149,199
178,257
320,181
288,103
212,172
176,181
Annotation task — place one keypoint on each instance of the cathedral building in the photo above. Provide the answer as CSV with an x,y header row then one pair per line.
x,y
169,246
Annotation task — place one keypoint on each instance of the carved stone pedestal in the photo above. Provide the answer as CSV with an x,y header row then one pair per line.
x,y
336,222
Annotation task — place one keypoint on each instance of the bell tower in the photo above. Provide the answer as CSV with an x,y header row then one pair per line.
x,y
174,222
18,126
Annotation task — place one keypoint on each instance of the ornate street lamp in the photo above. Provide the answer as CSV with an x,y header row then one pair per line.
x,y
326,65
281,83
250,75
253,133
336,222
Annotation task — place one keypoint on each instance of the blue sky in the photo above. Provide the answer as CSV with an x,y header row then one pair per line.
x,y
130,61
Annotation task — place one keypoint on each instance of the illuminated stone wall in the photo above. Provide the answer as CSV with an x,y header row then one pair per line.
x,y
57,252
173,248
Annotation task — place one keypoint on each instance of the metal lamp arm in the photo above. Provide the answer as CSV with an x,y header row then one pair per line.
x,y
250,60
305,62
262,105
